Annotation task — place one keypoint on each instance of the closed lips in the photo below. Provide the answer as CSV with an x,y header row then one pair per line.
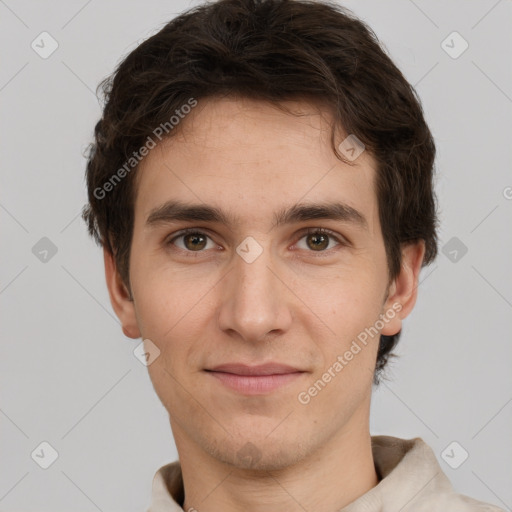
x,y
264,369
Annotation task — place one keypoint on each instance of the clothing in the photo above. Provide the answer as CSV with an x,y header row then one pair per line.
x,y
410,480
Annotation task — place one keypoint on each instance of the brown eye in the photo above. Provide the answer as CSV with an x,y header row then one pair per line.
x,y
319,239
194,241
191,241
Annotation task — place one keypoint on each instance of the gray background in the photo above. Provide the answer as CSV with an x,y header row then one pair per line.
x,y
69,376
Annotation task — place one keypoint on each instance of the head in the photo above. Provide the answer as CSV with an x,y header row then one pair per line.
x,y
241,107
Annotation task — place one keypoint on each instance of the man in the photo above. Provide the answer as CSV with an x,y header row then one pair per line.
x,y
261,183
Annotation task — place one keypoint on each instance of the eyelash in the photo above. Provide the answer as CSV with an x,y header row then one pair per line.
x,y
303,233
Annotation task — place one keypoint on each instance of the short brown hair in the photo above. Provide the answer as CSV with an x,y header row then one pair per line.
x,y
270,50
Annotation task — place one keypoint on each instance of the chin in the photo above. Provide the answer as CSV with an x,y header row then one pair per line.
x,y
258,453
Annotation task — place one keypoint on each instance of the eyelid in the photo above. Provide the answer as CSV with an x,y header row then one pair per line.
x,y
305,231
333,234
187,231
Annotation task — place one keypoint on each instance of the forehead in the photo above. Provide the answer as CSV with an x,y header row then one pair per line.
x,y
250,157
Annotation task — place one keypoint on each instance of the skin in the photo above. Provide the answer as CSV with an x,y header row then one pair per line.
x,y
296,304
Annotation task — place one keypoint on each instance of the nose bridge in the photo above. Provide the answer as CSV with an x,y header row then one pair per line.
x,y
253,304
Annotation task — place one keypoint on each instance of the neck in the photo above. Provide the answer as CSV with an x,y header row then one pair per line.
x,y
328,479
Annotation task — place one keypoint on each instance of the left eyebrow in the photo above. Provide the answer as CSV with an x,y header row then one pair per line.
x,y
334,211
179,211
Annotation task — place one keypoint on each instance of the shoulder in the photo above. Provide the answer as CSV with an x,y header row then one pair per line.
x,y
413,480
452,502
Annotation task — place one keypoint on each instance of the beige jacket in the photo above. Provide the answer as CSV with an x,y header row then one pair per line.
x,y
411,480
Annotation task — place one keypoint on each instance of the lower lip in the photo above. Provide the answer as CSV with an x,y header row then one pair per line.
x,y
255,384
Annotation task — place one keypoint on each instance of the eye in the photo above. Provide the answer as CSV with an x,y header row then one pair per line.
x,y
318,239
193,240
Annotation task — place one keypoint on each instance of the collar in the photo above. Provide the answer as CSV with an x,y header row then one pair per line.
x,y
410,480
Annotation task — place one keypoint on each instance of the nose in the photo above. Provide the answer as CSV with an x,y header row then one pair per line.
x,y
255,300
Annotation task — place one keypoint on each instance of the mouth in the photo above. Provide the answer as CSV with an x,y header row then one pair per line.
x,y
271,368
255,380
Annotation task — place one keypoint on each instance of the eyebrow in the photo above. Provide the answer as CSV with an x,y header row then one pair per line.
x,y
179,211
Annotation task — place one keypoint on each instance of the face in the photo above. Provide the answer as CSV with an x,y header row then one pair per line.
x,y
262,281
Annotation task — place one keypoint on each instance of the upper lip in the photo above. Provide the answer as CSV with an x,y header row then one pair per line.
x,y
261,369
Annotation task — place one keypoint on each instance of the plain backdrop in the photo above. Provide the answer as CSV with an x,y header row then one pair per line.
x,y
68,375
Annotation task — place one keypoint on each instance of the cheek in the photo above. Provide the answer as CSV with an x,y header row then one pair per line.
x,y
172,309
350,306
163,294
347,301
167,315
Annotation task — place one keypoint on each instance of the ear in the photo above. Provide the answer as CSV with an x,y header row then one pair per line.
x,y
120,297
403,291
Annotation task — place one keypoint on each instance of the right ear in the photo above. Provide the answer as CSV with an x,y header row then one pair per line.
x,y
120,297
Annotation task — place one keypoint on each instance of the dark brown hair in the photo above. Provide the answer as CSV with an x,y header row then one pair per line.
x,y
270,50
